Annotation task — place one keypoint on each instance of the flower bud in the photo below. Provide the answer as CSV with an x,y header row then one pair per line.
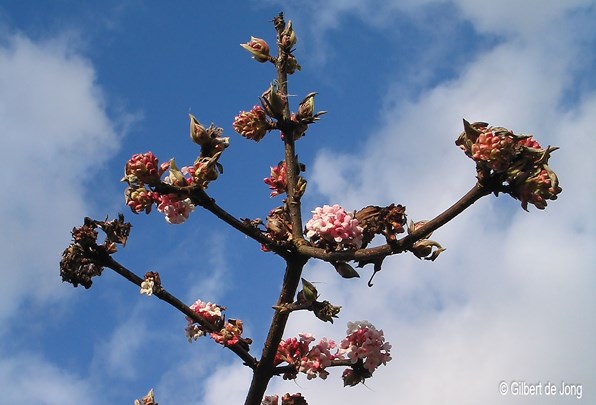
x,y
423,249
258,48
288,37
307,107
292,65
300,187
273,103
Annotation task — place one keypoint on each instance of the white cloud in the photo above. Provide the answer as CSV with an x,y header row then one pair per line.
x,y
28,379
55,135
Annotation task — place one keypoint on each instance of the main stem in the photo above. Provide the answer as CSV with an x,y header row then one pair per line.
x,y
264,370
295,263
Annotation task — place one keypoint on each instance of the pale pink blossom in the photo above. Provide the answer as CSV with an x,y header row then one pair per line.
x,y
332,223
364,341
318,358
175,209
147,287
193,332
211,312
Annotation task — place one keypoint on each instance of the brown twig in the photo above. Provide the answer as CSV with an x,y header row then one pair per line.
x,y
108,261
400,245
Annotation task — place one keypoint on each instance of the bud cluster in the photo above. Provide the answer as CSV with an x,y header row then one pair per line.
x,y
143,174
332,228
252,124
517,162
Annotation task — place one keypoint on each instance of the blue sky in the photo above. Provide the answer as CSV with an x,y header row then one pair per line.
x,y
82,88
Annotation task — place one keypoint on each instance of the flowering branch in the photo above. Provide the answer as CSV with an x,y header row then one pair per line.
x,y
505,163
84,259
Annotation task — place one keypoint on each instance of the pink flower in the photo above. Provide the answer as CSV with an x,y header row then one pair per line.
x,y
277,180
252,124
207,310
311,361
333,224
212,313
144,168
291,350
365,342
175,209
318,358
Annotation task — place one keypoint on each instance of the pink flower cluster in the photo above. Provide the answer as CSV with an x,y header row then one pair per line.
x,y
365,342
175,209
142,172
333,224
211,312
252,124
206,310
311,361
277,180
517,163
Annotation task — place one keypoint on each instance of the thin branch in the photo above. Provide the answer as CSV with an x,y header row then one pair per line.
x,y
201,198
108,261
401,245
